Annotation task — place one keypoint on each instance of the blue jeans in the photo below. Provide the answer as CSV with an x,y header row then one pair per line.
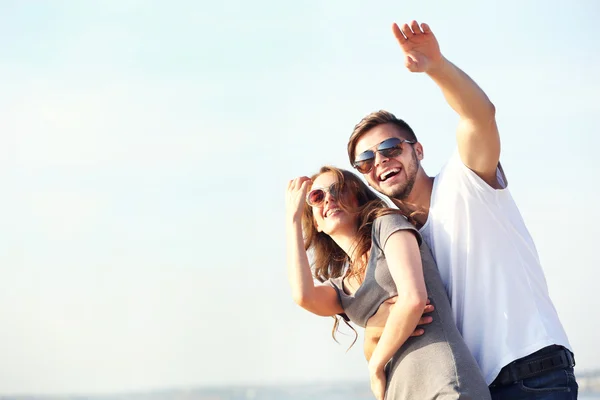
x,y
559,384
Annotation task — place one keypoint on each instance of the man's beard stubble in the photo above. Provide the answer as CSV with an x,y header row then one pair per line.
x,y
401,192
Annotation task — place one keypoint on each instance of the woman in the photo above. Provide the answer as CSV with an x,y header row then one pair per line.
x,y
390,274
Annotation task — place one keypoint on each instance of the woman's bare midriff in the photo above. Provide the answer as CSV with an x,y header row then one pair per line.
x,y
375,326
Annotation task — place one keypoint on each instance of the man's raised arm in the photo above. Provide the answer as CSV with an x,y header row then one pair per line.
x,y
477,132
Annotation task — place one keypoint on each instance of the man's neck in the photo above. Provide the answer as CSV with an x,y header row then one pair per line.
x,y
416,205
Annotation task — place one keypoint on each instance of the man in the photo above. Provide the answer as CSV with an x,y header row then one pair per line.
x,y
467,216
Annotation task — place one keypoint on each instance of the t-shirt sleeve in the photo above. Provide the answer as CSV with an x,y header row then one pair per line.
x,y
455,167
386,225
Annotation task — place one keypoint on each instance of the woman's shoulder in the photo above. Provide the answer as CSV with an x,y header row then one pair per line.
x,y
393,218
390,222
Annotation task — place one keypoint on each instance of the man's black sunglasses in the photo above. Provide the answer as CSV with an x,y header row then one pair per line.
x,y
391,147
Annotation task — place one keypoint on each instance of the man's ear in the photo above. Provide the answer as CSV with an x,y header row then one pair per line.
x,y
419,151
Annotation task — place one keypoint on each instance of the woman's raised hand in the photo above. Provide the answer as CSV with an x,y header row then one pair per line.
x,y
295,197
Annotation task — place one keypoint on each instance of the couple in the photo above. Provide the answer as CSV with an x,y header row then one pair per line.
x,y
456,238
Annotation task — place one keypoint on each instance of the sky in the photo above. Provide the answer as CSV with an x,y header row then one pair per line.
x,y
145,148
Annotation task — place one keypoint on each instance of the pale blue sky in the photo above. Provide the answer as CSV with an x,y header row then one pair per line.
x,y
145,148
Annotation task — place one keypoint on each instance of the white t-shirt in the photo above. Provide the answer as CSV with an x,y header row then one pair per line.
x,y
491,270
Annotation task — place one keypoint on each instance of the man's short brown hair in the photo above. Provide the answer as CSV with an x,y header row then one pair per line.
x,y
371,121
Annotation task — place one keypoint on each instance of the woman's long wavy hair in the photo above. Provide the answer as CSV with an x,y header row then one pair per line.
x,y
329,260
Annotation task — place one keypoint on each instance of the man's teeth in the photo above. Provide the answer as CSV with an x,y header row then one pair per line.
x,y
387,174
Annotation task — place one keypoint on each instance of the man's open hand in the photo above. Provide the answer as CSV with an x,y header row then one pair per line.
x,y
420,47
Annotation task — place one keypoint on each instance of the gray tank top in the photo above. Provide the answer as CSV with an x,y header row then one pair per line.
x,y
378,284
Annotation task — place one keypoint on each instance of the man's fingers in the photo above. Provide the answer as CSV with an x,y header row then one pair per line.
x,y
418,332
409,62
398,33
414,26
428,307
423,321
406,31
